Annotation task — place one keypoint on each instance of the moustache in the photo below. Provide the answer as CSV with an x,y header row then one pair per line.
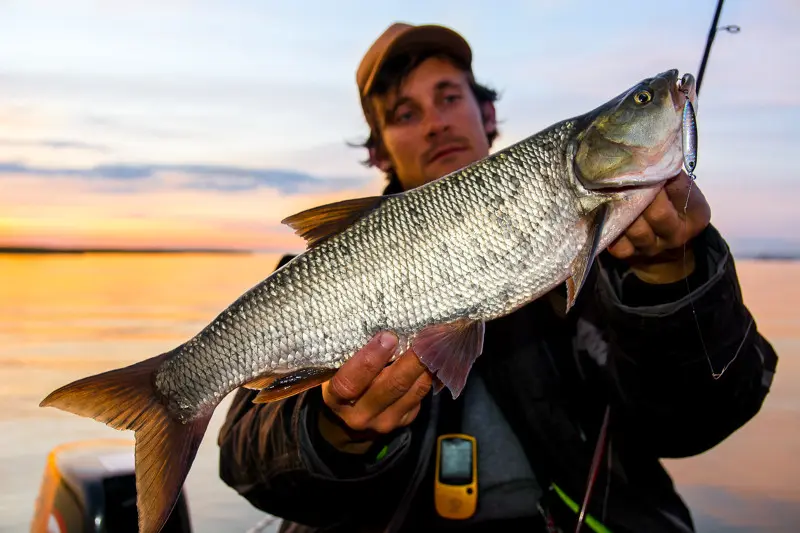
x,y
439,143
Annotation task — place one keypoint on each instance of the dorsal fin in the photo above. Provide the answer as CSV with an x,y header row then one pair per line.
x,y
318,223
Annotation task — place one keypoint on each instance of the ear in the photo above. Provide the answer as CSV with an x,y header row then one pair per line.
x,y
378,159
489,117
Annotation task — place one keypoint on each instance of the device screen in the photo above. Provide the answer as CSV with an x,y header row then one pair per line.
x,y
455,465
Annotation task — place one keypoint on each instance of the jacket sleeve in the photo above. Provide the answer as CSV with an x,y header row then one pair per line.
x,y
273,456
664,340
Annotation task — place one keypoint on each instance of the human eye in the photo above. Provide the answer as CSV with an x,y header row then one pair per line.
x,y
403,115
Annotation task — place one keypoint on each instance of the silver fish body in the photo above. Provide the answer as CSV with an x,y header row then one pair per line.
x,y
477,245
432,265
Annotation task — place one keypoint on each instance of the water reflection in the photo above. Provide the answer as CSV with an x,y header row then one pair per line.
x,y
63,317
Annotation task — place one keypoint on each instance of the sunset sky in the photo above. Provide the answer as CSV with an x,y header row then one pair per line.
x,y
178,123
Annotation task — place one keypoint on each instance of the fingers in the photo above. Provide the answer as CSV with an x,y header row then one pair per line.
x,y
642,237
357,374
649,234
663,225
677,190
638,240
394,392
405,409
622,248
367,395
698,211
395,382
664,222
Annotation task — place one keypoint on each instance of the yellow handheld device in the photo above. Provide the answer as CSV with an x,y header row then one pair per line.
x,y
456,484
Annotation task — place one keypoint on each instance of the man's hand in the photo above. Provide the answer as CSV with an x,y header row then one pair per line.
x,y
370,398
653,244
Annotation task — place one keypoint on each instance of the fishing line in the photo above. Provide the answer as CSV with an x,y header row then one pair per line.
x,y
714,374
689,130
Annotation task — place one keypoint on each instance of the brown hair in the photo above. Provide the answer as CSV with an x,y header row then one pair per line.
x,y
390,77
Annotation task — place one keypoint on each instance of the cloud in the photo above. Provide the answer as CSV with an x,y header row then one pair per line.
x,y
153,212
193,176
57,144
191,97
25,119
138,126
239,120
327,159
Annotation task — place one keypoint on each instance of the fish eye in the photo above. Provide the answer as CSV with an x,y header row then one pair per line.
x,y
642,97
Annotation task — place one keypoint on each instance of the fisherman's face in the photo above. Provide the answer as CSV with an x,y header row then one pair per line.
x,y
432,124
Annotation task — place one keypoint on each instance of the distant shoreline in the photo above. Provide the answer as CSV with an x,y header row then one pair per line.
x,y
768,257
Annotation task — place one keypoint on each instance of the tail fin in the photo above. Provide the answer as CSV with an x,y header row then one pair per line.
x,y
165,447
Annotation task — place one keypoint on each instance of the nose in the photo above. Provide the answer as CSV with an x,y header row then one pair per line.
x,y
435,122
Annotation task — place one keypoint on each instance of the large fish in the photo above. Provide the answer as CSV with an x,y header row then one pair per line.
x,y
432,265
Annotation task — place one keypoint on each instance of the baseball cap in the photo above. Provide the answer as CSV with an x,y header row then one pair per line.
x,y
401,37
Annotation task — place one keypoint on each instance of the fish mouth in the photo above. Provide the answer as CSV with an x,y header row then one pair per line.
x,y
634,186
680,88
627,191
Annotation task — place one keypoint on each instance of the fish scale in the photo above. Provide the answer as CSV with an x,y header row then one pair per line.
x,y
469,245
431,264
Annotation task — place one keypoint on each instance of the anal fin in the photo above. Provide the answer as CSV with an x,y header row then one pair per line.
x,y
261,382
449,350
318,223
582,264
294,383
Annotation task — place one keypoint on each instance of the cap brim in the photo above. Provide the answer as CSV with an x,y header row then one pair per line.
x,y
428,37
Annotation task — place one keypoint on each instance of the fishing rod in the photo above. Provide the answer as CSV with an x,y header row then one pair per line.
x,y
712,32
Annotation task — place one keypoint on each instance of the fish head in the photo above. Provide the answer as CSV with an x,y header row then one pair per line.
x,y
634,139
626,150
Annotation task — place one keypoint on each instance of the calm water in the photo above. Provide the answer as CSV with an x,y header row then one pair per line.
x,y
63,317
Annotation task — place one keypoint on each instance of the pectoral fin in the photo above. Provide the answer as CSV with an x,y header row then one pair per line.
x,y
318,223
449,350
437,385
582,264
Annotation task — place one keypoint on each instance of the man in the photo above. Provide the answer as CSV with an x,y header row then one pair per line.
x,y
359,454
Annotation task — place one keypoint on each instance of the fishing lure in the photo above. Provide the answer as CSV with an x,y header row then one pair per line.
x,y
688,135
689,138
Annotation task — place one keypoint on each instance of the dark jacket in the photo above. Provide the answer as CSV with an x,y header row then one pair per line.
x,y
538,394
